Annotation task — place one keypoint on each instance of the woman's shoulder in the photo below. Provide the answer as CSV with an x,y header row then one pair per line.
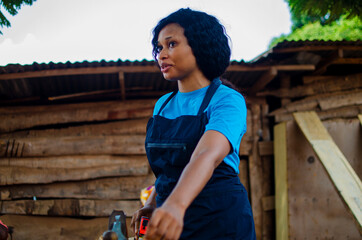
x,y
227,94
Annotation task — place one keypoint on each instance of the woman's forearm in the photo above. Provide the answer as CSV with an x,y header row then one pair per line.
x,y
211,150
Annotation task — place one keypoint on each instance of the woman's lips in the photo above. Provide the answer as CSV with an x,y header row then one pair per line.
x,y
165,67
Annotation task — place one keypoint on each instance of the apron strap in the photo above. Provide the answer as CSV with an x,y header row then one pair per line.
x,y
165,102
209,94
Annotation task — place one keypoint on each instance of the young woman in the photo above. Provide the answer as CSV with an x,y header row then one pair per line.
x,y
193,138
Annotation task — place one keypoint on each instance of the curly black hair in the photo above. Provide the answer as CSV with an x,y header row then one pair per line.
x,y
205,35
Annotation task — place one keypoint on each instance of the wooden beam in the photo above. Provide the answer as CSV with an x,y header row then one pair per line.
x,y
360,118
343,112
339,83
344,178
58,146
241,68
15,118
23,175
267,77
326,62
111,188
122,85
68,207
281,182
79,71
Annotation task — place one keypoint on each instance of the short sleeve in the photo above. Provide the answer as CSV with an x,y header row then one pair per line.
x,y
227,115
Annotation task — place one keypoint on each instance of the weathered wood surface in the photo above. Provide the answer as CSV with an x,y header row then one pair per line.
x,y
13,118
265,148
124,127
19,175
73,162
322,102
343,112
281,182
60,228
344,178
55,146
256,173
69,207
340,83
315,209
111,188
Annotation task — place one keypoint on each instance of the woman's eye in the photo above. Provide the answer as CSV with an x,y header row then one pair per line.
x,y
172,44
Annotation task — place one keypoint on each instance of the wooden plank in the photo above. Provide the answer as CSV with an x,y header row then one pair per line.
x,y
243,68
345,179
60,228
267,77
281,182
71,162
343,112
256,173
79,71
268,203
122,85
349,99
14,118
111,188
68,207
57,146
315,210
340,83
20,175
327,61
244,174
320,101
360,118
123,127
266,148
245,147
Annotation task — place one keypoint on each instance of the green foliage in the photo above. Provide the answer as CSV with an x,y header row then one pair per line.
x,y
343,29
12,7
324,11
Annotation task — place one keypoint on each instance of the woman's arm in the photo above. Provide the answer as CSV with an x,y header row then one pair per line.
x,y
167,221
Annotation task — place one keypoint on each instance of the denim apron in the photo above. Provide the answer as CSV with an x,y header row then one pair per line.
x,y
222,209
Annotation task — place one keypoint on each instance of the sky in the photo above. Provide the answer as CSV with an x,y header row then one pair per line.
x,y
95,30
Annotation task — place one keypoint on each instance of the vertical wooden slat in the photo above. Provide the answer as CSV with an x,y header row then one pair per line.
x,y
256,172
360,118
122,85
281,181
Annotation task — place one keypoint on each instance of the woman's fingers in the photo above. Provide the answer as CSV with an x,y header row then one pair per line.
x,y
164,225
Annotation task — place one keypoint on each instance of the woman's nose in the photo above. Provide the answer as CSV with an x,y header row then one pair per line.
x,y
163,54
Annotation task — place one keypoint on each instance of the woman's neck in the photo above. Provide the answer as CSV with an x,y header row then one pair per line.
x,y
193,83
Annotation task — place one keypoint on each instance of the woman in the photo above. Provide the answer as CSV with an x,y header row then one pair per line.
x,y
193,138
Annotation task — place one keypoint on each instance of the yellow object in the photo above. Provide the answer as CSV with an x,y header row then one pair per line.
x,y
145,194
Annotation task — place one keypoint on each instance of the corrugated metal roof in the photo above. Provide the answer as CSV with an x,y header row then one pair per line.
x,y
143,79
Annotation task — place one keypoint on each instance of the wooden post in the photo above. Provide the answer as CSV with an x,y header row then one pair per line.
x,y
256,173
281,182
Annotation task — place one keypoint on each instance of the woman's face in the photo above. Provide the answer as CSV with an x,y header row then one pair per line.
x,y
175,56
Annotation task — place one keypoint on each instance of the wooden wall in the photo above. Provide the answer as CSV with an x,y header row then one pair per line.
x,y
66,167
307,203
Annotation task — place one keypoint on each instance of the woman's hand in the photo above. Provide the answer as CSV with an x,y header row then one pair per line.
x,y
146,211
166,222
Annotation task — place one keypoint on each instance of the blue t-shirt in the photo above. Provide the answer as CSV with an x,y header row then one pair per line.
x,y
226,113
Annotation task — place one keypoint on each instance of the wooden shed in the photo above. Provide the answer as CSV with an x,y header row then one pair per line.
x,y
72,142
